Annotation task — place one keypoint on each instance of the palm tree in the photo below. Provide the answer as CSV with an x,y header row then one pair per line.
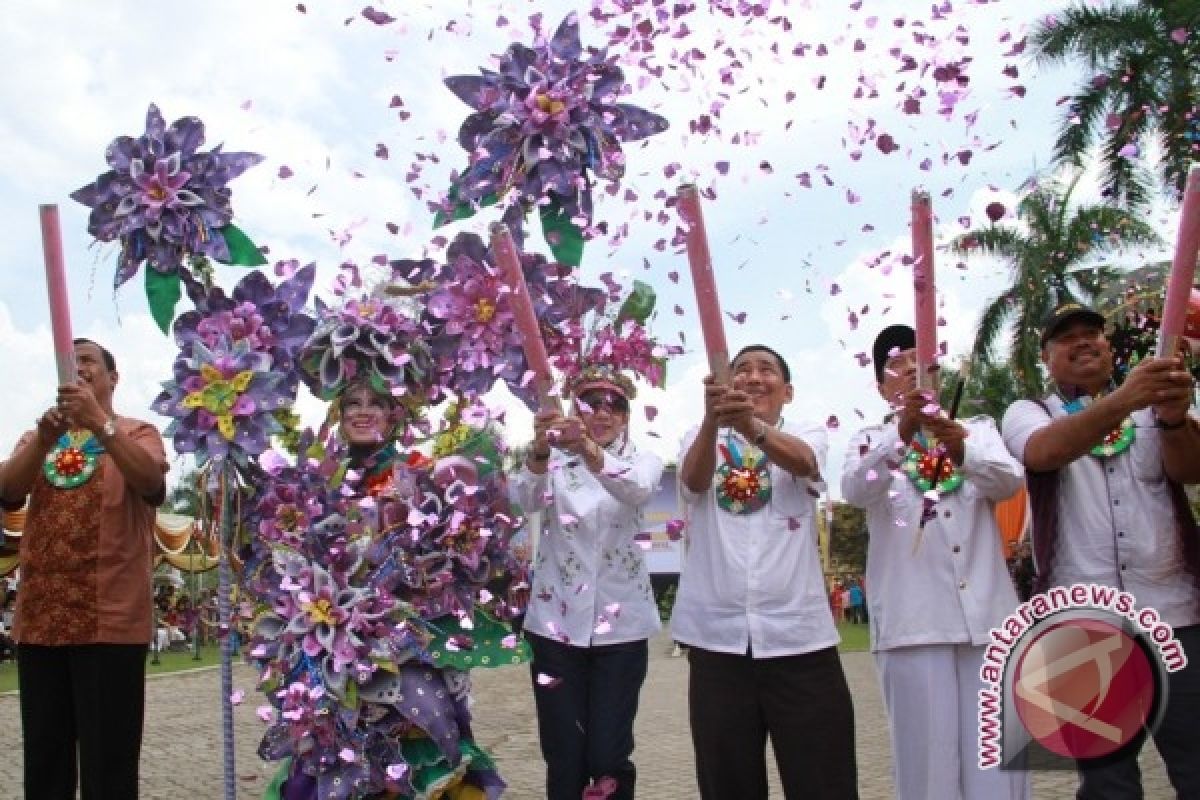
x,y
1142,86
1049,256
990,389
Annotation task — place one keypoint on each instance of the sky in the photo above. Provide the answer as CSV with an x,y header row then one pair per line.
x,y
816,138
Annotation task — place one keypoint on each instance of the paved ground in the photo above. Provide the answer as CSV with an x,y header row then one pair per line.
x,y
181,756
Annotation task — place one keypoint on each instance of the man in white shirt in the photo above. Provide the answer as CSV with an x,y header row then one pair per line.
x,y
751,605
936,591
1106,468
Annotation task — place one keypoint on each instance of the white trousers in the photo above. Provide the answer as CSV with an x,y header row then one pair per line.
x,y
932,698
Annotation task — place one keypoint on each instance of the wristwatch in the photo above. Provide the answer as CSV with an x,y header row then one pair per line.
x,y
110,428
761,437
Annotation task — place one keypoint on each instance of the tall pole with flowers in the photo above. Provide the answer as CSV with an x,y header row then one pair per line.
x,y
166,204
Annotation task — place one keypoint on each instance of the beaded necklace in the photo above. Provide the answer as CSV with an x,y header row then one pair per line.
x,y
923,459
1116,441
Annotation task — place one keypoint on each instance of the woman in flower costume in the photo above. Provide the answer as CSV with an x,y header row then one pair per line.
x,y
592,608
370,571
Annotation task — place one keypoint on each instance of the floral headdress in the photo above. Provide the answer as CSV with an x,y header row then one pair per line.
x,y
168,205
542,121
367,339
601,375
619,349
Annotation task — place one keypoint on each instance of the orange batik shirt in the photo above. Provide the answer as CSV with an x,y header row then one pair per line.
x,y
87,556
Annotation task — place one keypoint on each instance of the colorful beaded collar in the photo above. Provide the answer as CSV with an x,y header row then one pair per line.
x,y
743,476
73,459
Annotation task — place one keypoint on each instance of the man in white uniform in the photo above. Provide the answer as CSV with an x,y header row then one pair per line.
x,y
936,591
751,606
1106,473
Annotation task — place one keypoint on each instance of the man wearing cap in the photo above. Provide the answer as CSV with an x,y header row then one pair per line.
x,y
1106,470
83,620
936,591
751,606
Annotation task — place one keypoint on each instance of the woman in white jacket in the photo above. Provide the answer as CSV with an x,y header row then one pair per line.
x,y
591,608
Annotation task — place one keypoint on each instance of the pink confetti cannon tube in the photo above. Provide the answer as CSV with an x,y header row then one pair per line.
x,y
924,286
504,249
1183,268
56,287
705,284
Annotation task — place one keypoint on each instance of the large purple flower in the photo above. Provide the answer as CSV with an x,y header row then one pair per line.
x,y
470,324
162,199
320,611
167,203
269,318
547,117
222,401
235,369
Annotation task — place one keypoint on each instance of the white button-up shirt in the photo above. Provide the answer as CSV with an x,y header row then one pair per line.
x,y
590,584
1116,524
754,580
955,587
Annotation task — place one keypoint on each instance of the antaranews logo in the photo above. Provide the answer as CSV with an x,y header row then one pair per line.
x,y
1076,672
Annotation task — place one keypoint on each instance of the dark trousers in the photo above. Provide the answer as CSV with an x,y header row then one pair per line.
x,y
81,714
1177,740
586,699
801,702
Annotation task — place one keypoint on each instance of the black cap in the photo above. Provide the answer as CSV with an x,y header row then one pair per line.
x,y
1064,313
891,338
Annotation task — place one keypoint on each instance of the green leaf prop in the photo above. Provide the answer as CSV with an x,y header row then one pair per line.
x,y
275,789
639,305
461,209
162,292
486,643
563,236
242,251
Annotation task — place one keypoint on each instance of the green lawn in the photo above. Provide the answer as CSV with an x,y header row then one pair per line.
x,y
855,638
169,662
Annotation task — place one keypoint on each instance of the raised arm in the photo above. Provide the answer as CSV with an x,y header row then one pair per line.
x,y
18,473
631,481
138,455
1153,381
988,465
867,470
698,464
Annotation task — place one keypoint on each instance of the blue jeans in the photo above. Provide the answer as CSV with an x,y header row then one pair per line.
x,y
586,704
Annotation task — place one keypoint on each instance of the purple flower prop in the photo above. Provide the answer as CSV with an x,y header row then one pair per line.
x,y
235,367
269,318
340,627
471,331
166,203
222,401
541,123
347,587
367,339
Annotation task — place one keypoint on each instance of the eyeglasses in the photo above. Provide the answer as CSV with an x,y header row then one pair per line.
x,y
598,399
